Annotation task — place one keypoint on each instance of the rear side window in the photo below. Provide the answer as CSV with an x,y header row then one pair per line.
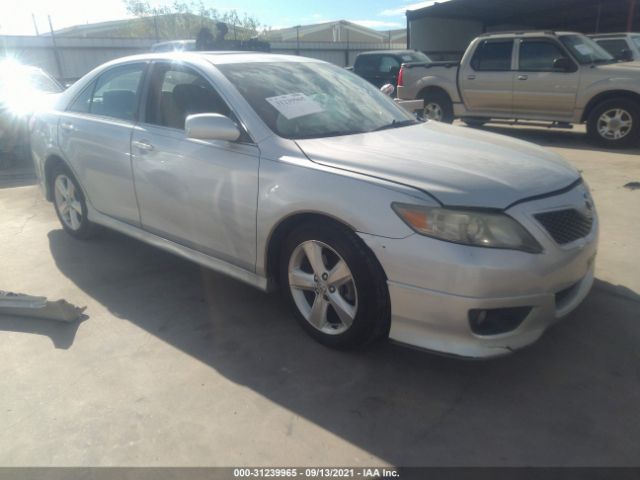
x,y
539,55
117,92
493,56
367,64
613,46
388,63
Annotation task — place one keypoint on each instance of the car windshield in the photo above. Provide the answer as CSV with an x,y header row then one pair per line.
x,y
585,50
312,100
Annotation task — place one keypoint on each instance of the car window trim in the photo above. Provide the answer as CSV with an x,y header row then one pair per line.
x,y
495,40
552,42
147,91
94,83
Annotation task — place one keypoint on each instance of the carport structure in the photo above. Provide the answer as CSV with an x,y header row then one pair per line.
x,y
445,29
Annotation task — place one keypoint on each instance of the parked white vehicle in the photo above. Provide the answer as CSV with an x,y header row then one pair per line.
x,y
560,78
291,172
622,46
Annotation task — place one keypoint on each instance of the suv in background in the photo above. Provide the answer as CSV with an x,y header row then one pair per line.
x,y
382,67
623,46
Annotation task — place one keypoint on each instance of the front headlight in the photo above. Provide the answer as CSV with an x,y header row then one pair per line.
x,y
468,227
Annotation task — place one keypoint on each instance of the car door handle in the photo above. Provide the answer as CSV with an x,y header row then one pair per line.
x,y
142,145
471,77
523,77
67,127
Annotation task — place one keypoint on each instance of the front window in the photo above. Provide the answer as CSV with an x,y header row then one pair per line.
x,y
312,100
585,50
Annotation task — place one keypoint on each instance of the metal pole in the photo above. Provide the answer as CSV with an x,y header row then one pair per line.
x,y
298,40
55,49
35,25
632,11
598,17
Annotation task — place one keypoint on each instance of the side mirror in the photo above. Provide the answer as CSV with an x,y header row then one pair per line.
x,y
625,55
211,126
388,89
562,64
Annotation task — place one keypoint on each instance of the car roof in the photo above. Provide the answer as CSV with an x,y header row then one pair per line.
x,y
217,57
526,33
388,52
616,34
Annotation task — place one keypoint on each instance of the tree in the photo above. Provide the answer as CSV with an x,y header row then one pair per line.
x,y
183,20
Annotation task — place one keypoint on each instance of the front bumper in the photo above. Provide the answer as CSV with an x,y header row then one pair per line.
x,y
434,285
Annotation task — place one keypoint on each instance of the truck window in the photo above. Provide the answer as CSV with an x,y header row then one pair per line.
x,y
539,55
613,45
387,63
493,56
367,64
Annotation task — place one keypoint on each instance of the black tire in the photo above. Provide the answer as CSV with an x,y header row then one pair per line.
x,y
632,109
86,229
442,100
475,122
372,317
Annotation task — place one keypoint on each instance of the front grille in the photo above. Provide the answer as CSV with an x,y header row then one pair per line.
x,y
566,226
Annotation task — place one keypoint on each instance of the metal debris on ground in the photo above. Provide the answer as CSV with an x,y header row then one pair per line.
x,y
632,185
38,307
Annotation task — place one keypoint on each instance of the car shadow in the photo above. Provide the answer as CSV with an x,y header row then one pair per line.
x,y
569,399
547,137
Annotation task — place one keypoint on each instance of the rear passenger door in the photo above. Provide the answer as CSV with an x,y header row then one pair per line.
x,y
541,90
94,134
198,193
487,81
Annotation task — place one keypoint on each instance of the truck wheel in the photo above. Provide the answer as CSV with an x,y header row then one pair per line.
x,y
475,122
615,123
438,107
335,287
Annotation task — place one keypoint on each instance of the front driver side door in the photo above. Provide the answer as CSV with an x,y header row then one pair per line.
x,y
541,90
201,194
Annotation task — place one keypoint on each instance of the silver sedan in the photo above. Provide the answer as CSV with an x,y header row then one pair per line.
x,y
292,173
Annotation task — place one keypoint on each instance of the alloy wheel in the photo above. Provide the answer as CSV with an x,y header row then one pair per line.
x,y
615,124
67,202
322,287
433,111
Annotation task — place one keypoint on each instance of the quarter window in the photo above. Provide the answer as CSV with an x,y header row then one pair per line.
x,y
493,56
82,103
539,55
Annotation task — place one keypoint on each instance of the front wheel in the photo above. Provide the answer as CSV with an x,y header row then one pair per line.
x,y
615,123
334,285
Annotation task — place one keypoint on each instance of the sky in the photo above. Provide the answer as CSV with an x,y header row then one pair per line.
x,y
16,15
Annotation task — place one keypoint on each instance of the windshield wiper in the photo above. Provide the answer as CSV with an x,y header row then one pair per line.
x,y
395,124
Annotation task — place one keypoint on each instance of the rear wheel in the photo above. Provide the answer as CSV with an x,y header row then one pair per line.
x,y
438,106
70,204
334,285
615,123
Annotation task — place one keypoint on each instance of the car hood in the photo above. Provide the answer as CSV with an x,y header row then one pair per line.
x,y
458,166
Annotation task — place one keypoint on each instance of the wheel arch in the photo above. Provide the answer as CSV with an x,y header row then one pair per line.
x,y
279,233
433,89
608,95
50,164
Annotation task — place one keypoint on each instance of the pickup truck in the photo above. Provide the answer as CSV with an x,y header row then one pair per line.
x,y
558,77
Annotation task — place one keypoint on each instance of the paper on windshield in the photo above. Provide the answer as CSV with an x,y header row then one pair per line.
x,y
584,49
295,105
